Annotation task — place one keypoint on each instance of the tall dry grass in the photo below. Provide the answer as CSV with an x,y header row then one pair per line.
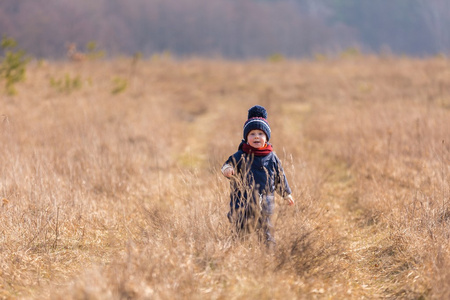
x,y
111,196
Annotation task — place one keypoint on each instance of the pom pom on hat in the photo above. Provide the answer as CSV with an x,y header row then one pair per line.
x,y
257,119
257,112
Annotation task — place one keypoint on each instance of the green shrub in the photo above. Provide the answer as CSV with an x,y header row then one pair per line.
x,y
67,84
351,52
93,52
276,57
120,85
12,64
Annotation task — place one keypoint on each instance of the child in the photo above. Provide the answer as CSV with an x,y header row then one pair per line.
x,y
255,173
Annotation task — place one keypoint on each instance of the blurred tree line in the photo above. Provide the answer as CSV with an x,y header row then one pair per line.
x,y
228,28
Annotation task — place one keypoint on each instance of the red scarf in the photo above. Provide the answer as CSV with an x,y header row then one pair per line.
x,y
263,151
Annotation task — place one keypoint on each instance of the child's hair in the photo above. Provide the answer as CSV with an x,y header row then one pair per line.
x,y
257,119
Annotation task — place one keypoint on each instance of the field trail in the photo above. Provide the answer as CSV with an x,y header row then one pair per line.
x,y
372,265
364,247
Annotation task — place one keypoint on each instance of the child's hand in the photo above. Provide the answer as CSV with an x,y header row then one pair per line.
x,y
228,172
290,200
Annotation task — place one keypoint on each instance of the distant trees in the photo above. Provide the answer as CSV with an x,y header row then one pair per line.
x,y
436,15
228,28
396,25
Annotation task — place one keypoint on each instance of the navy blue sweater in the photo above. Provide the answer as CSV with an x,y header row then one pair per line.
x,y
256,179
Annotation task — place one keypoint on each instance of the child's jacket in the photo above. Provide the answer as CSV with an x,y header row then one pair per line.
x,y
256,180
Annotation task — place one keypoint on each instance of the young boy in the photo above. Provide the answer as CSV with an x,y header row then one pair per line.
x,y
255,174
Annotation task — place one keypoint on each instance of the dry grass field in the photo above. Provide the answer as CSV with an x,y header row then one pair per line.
x,y
110,180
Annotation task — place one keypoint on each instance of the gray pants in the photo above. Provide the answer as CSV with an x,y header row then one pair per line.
x,y
252,219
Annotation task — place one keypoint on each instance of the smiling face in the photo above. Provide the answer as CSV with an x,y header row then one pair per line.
x,y
256,138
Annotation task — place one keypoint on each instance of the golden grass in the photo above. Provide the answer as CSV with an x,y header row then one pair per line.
x,y
120,195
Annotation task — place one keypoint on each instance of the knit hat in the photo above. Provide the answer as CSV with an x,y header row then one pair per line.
x,y
257,119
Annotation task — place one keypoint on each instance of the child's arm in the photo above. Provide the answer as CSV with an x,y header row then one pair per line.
x,y
227,170
282,185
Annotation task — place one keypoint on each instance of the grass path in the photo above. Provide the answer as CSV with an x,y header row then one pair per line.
x,y
365,247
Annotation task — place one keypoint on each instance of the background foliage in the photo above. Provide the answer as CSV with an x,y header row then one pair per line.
x,y
229,28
